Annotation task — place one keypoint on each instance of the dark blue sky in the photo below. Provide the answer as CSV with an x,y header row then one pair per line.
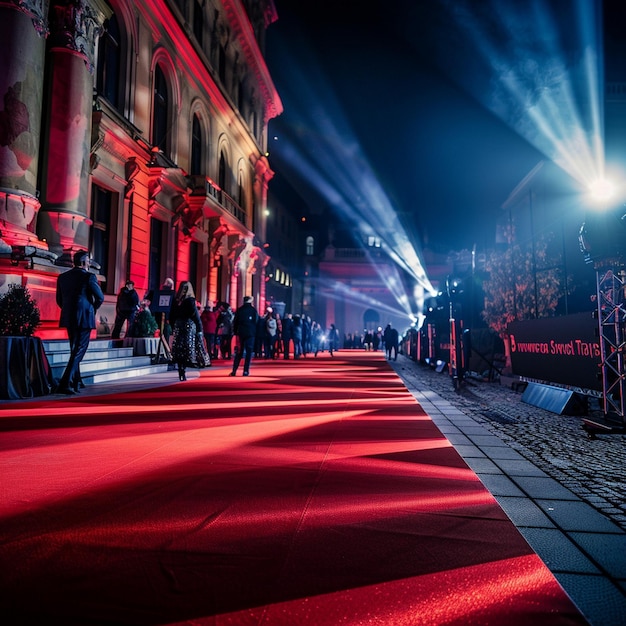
x,y
417,89
444,160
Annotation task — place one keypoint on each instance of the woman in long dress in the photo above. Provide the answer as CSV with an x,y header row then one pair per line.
x,y
186,324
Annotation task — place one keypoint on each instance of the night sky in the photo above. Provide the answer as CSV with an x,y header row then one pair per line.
x,y
402,91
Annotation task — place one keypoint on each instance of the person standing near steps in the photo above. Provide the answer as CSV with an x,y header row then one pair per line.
x,y
125,309
79,296
244,327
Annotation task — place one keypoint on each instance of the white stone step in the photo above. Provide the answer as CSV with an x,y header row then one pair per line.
x,y
105,361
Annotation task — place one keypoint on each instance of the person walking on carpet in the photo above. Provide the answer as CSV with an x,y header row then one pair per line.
x,y
225,330
244,327
390,339
333,339
185,320
79,296
209,328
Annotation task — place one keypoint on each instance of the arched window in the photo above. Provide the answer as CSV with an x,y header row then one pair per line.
x,y
221,181
160,121
371,319
241,199
310,246
195,165
109,76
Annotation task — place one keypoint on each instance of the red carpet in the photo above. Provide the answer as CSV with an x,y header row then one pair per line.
x,y
312,492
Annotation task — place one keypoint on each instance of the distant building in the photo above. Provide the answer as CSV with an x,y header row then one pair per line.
x,y
358,286
136,130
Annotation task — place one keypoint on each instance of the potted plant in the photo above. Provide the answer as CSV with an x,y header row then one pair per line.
x,y
144,324
28,372
19,313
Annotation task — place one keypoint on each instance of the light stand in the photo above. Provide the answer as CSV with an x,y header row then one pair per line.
x,y
601,243
454,287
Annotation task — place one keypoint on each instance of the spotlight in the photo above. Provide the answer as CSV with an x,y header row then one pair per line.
x,y
454,286
602,236
602,190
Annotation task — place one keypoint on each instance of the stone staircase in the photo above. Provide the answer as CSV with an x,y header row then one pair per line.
x,y
106,360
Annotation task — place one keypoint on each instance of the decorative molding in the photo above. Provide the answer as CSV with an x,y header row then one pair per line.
x,y
131,171
242,29
35,9
76,26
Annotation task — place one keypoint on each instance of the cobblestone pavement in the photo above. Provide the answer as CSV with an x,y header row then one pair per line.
x,y
592,469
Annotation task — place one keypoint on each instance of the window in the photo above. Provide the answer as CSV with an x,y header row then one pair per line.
x,y
198,20
196,147
221,64
221,181
109,76
241,199
254,125
194,253
310,246
156,260
241,100
103,213
160,122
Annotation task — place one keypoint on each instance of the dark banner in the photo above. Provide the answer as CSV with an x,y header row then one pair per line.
x,y
563,350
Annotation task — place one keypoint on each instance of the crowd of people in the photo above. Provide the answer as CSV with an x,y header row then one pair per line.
x,y
197,336
272,337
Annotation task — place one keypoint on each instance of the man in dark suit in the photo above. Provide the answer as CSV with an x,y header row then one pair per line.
x,y
244,326
79,296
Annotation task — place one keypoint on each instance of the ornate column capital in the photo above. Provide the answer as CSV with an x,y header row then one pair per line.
x,y
35,9
76,25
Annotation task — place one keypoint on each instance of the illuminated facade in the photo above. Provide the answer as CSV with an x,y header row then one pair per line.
x,y
360,288
136,130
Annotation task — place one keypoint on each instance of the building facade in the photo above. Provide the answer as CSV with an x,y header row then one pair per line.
x,y
136,130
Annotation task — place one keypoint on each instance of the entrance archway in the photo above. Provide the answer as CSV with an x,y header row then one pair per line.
x,y
371,320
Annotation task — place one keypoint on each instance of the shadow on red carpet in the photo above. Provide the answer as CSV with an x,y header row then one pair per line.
x,y
315,491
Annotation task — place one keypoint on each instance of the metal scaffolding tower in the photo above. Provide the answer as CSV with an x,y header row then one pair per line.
x,y
611,313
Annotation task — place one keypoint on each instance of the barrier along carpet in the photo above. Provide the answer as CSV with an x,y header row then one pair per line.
x,y
314,491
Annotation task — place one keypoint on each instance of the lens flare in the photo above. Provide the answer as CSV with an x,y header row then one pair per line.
x,y
602,190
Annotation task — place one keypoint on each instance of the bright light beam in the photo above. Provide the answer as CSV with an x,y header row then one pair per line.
x,y
534,79
340,291
327,155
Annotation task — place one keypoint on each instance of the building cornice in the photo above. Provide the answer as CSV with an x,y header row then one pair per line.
x,y
242,28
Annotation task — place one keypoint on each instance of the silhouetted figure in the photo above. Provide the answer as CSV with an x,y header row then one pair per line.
x,y
79,296
390,339
244,327
125,308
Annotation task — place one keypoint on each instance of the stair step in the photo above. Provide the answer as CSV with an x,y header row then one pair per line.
x,y
88,366
106,360
53,345
105,376
60,357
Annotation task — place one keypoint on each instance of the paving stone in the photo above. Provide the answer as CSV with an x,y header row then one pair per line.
x,y
592,469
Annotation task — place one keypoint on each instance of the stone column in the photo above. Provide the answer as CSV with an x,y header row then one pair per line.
x,y
23,30
217,231
74,29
